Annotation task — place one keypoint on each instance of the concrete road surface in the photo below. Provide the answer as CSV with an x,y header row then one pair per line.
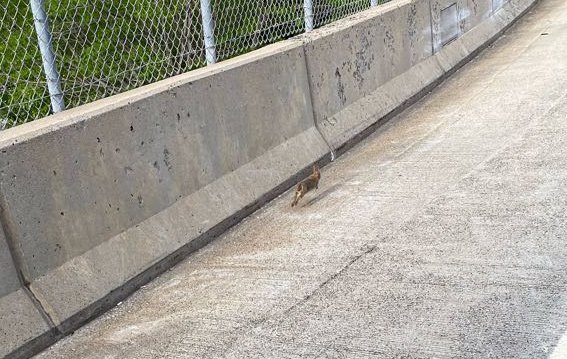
x,y
442,235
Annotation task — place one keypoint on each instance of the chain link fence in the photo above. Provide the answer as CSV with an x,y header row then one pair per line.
x,y
59,54
328,11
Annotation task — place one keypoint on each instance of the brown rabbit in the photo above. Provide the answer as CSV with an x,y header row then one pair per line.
x,y
307,185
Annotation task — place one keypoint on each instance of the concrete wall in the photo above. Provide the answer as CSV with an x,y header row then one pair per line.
x,y
361,70
350,62
97,195
99,199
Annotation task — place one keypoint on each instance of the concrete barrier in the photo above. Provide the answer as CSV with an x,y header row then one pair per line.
x,y
362,69
360,58
99,199
20,321
480,31
102,194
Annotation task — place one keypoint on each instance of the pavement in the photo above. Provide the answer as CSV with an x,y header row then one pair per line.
x,y
443,234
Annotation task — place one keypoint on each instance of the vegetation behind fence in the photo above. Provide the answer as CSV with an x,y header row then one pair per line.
x,y
105,47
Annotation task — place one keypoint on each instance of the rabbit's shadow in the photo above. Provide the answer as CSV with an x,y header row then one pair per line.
x,y
321,195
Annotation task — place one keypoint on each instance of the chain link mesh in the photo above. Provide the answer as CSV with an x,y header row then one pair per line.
x,y
326,11
244,25
105,47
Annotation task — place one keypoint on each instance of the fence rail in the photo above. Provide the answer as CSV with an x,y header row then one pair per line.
x,y
59,54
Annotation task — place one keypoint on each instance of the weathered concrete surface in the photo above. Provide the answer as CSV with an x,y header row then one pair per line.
x,y
94,197
8,276
442,235
361,54
399,50
20,321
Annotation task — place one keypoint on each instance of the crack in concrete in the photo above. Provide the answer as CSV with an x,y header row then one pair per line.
x,y
367,249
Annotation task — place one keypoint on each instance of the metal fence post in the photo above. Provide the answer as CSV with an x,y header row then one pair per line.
x,y
47,55
208,32
308,10
373,2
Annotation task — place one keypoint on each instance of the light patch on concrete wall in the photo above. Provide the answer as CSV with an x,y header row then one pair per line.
x,y
560,350
449,24
497,4
475,12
